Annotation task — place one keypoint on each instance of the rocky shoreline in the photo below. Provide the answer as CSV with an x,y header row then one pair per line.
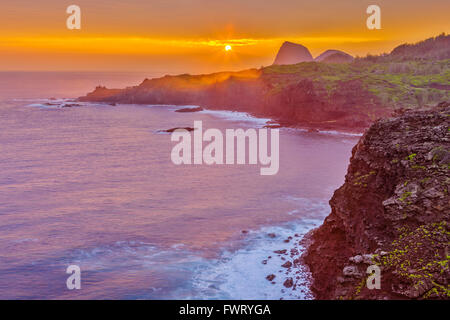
x,y
393,211
347,95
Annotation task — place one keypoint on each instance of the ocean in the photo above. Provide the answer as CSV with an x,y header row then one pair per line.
x,y
93,185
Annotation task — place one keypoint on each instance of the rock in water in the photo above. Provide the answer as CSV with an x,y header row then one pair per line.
x,y
292,53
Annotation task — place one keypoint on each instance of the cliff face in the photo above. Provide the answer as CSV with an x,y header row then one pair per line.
x,y
334,56
330,96
292,53
393,211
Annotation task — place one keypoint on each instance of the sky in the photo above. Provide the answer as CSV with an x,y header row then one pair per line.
x,y
189,36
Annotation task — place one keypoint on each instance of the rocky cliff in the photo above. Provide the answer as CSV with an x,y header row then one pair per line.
x,y
392,211
436,48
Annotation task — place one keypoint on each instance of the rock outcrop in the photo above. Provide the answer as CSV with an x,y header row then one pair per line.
x,y
392,211
292,53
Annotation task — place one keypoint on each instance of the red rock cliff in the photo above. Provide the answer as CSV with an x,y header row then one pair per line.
x,y
393,211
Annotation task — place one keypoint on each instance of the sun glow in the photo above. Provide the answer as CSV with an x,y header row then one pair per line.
x,y
228,47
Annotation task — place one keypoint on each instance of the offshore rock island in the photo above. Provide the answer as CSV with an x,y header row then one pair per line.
x,y
346,96
392,211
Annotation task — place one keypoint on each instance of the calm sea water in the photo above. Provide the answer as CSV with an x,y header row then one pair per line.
x,y
94,186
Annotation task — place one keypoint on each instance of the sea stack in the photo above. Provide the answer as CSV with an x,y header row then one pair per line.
x,y
292,53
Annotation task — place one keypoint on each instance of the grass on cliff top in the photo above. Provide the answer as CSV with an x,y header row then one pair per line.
x,y
403,84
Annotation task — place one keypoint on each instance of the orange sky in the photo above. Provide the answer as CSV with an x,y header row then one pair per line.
x,y
175,36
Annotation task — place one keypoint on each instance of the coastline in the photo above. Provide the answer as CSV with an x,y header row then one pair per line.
x,y
280,255
268,122
272,122
392,212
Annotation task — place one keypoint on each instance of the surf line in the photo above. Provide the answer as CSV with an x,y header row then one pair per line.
x,y
235,153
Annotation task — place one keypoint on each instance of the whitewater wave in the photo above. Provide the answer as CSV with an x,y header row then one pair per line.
x,y
242,274
340,133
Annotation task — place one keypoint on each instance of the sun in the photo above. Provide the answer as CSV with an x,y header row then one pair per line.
x,y
228,47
